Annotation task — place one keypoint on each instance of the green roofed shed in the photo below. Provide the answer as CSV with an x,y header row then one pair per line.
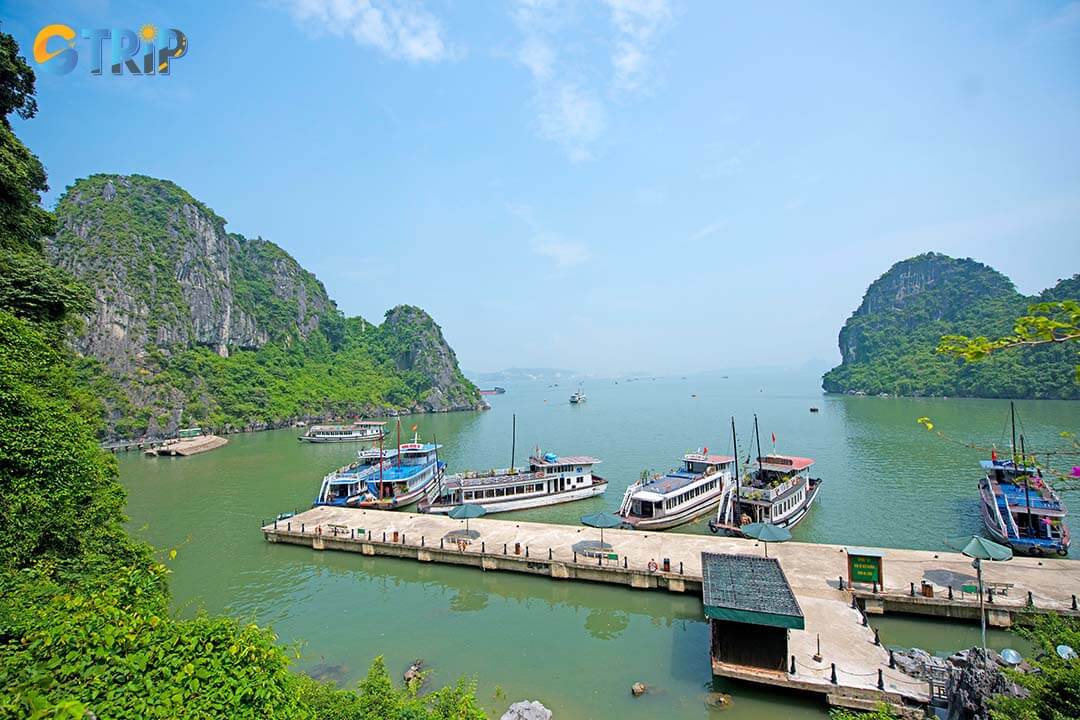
x,y
749,589
751,610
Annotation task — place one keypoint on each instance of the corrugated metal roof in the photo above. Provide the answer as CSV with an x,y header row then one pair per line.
x,y
748,589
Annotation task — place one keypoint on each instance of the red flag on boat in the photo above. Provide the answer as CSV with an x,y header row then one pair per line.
x,y
993,454
774,438
414,428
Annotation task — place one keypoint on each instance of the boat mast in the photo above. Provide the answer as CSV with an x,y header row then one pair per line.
x,y
399,443
382,459
513,441
735,452
435,442
757,435
1027,482
1012,416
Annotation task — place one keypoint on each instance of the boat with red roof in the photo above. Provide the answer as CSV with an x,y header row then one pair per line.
x,y
776,489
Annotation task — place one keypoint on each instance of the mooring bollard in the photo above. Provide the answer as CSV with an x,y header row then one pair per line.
x,y
288,527
833,678
877,638
422,541
600,560
624,562
1031,600
352,533
841,582
441,545
384,536
792,665
864,621
892,660
880,679
575,556
875,587
402,538
504,548
990,594
368,534
481,547
549,553
301,527
526,551
912,589
854,603
1074,602
275,523
680,572
950,592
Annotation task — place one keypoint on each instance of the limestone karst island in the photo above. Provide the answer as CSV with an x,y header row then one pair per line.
x,y
545,359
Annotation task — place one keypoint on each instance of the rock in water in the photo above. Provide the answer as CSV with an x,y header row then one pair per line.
x,y
527,710
638,689
414,673
718,700
975,677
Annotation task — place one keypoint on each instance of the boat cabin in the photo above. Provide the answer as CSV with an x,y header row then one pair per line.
x,y
548,474
777,489
680,493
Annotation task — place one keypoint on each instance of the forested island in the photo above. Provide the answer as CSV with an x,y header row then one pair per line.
x,y
890,343
190,324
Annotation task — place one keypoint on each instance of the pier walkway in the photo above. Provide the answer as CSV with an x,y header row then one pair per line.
x,y
852,670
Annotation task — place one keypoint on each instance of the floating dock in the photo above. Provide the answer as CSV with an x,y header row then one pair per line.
x,y
188,446
850,668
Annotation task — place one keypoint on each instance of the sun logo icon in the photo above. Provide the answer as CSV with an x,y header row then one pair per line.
x,y
148,33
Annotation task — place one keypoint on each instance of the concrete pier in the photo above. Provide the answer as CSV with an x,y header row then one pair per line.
x,y
862,674
189,446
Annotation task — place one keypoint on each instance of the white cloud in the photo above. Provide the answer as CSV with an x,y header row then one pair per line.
x,y
573,118
564,254
401,29
707,231
636,24
569,109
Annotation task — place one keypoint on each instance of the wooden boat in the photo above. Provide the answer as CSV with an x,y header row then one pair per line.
x,y
359,431
777,489
1019,508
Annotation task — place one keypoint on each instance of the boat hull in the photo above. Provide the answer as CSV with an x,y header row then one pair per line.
x,y
687,515
311,439
493,506
1021,545
398,501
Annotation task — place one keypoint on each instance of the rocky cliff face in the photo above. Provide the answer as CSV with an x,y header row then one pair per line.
x,y
417,346
170,284
928,288
166,274
888,345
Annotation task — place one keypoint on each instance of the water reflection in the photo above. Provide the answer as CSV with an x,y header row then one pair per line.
x,y
469,600
606,624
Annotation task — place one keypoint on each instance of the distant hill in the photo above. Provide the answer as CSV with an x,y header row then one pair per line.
x,y
526,374
193,325
889,343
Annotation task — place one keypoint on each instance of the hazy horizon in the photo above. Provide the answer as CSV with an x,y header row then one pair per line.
x,y
600,185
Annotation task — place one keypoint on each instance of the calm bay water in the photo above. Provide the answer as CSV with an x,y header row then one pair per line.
x,y
575,647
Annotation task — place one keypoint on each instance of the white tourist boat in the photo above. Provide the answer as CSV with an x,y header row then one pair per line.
x,y
775,489
384,479
550,479
578,397
665,501
359,431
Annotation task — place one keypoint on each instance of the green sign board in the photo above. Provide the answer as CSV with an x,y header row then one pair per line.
x,y
864,568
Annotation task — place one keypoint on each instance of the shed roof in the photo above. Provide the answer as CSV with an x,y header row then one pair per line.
x,y
748,589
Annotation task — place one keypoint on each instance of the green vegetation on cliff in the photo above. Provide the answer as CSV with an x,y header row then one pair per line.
x,y
192,325
889,345
85,624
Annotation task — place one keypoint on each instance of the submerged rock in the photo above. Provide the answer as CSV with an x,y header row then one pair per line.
x,y
414,673
527,710
638,689
718,701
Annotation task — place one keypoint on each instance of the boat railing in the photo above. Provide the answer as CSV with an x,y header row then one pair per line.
x,y
628,497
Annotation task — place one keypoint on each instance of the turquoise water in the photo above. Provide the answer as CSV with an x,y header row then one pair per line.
x,y
575,647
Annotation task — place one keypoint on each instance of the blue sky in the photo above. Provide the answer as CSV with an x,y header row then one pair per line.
x,y
600,185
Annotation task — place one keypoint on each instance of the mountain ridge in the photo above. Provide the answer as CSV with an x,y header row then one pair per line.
x,y
191,324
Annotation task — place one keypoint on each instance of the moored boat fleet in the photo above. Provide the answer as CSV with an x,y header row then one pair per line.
x,y
1017,504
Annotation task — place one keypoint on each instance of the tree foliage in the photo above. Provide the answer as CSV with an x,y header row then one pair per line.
x,y
1046,323
1054,686
85,624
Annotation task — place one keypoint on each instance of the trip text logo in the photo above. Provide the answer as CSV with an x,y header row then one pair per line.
x,y
149,51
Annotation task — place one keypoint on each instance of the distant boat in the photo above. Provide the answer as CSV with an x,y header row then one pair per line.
x,y
813,408
1019,507
578,397
360,431
496,390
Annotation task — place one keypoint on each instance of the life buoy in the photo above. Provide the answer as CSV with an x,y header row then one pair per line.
x,y
1062,551
1036,551
653,567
